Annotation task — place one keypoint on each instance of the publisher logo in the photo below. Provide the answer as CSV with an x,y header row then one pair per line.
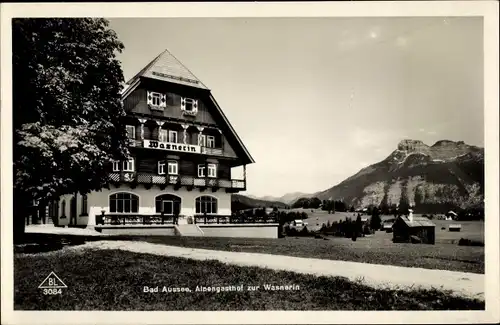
x,y
52,285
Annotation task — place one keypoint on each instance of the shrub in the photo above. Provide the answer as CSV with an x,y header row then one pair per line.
x,y
469,242
367,230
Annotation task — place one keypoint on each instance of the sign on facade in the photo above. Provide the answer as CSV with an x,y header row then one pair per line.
x,y
152,144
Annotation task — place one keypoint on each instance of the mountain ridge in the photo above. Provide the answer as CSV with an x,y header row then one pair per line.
x,y
446,174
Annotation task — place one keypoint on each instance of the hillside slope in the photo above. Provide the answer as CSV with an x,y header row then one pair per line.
x,y
240,202
432,178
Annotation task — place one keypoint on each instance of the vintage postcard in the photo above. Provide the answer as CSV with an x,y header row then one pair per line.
x,y
250,163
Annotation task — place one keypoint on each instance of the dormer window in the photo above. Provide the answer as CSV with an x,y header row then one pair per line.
x,y
157,101
189,106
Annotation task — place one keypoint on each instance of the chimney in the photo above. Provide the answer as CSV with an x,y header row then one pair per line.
x,y
410,215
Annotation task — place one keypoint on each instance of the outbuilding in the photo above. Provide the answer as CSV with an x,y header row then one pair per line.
x,y
412,228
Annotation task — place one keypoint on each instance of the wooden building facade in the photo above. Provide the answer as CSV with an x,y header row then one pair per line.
x,y
183,149
420,228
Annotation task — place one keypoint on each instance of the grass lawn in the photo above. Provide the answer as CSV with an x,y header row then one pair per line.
x,y
378,249
114,280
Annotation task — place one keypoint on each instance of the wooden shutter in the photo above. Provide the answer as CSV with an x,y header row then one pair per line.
x,y
150,98
163,100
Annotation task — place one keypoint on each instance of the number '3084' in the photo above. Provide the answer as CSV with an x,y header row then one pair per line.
x,y
52,291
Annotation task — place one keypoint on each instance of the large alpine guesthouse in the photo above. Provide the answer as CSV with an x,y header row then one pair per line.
x,y
179,175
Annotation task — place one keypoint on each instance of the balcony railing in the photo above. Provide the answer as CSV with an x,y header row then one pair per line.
x,y
158,219
181,180
133,219
233,219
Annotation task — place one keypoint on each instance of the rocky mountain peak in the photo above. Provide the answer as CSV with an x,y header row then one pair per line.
x,y
413,146
436,178
442,143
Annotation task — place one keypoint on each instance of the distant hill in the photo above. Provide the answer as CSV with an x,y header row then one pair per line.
x,y
241,202
288,198
433,178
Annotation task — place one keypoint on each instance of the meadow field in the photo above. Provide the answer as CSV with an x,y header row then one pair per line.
x,y
473,230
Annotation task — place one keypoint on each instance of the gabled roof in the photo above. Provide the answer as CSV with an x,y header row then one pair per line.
x,y
166,67
418,221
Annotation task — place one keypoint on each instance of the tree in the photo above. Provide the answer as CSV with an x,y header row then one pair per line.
x,y
359,226
375,220
67,109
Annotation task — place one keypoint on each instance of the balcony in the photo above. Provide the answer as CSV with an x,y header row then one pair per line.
x,y
198,149
232,185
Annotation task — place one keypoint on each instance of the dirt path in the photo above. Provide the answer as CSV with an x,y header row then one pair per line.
x,y
375,275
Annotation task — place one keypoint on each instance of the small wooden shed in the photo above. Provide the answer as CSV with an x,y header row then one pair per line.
x,y
407,226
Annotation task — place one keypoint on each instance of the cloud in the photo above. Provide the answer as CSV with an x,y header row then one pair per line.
x,y
431,132
422,130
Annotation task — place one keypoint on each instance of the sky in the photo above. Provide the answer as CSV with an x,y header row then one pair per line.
x,y
314,100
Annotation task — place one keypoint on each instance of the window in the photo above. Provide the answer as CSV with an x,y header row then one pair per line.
x,y
84,204
163,136
161,168
63,208
157,100
210,141
172,136
173,167
206,204
189,106
212,170
116,166
201,170
128,165
130,132
201,140
169,204
123,203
